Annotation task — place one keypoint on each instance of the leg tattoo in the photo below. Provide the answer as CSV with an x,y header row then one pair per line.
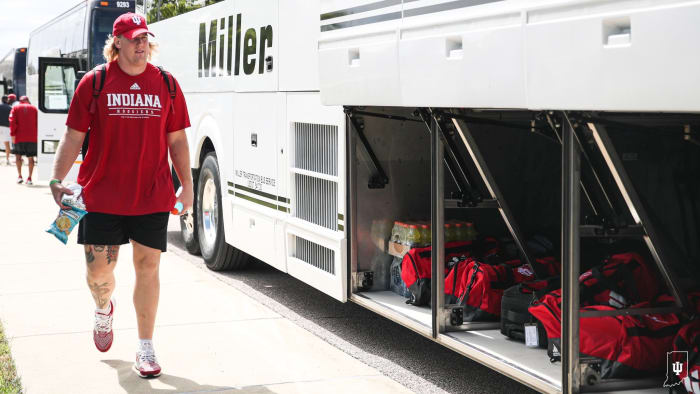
x,y
112,253
91,250
89,255
99,291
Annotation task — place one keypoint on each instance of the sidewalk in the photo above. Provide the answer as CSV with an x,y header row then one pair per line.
x,y
209,336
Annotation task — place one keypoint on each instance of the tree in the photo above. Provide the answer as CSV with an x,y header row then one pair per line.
x,y
170,8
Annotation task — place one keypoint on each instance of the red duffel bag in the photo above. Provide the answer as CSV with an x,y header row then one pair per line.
x,y
622,280
627,346
479,287
416,269
549,266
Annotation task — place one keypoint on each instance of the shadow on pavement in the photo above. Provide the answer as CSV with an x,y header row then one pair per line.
x,y
132,383
370,332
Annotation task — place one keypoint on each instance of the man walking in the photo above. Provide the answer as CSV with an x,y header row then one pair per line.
x,y
127,187
5,127
12,99
23,118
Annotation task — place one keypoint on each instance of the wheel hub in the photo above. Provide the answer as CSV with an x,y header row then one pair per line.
x,y
210,212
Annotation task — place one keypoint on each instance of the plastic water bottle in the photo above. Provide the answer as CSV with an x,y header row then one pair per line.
x,y
426,235
413,236
177,209
471,231
449,233
402,233
460,231
395,231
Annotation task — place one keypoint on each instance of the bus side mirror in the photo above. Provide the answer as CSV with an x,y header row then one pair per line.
x,y
79,76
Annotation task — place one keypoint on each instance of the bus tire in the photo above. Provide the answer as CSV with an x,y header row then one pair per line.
x,y
187,222
217,254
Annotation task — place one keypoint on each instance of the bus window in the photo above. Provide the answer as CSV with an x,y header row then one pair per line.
x,y
58,86
102,22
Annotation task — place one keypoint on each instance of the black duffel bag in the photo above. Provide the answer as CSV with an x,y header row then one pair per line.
x,y
515,302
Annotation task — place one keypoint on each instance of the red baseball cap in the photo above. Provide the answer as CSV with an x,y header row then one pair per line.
x,y
130,25
24,99
11,97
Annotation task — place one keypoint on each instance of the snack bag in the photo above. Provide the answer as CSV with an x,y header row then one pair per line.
x,y
68,218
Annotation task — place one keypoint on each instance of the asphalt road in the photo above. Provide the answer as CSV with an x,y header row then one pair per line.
x,y
410,359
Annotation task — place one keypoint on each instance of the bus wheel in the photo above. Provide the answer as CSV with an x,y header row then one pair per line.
x,y
217,254
187,223
187,229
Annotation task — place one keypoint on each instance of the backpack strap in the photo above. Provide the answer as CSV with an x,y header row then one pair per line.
x,y
462,300
172,86
98,72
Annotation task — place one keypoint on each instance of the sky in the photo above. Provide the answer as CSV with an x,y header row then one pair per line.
x,y
19,17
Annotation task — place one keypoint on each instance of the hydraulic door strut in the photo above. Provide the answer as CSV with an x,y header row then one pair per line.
x,y
496,199
378,178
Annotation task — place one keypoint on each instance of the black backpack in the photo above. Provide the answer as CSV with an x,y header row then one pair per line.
x,y
100,73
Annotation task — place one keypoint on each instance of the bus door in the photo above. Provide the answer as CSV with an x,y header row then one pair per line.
x,y
57,77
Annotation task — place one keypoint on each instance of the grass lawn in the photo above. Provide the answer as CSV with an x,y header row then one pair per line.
x,y
9,382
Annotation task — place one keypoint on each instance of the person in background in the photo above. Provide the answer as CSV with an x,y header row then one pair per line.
x,y
12,99
23,118
5,127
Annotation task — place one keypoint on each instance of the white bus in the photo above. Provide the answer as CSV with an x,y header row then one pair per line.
x,y
318,124
12,72
59,53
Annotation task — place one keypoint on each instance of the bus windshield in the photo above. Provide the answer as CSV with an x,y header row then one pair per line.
x,y
19,72
100,28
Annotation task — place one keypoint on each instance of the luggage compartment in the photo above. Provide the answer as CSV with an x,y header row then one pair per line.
x,y
402,149
513,155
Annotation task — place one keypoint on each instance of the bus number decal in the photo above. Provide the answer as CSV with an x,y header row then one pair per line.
x,y
122,4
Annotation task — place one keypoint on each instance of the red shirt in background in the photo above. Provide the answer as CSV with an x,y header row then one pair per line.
x,y
126,169
23,122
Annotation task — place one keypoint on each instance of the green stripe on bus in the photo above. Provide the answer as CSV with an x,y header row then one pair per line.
x,y
258,192
255,200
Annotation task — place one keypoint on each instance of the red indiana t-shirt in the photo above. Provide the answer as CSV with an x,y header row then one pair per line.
x,y
126,170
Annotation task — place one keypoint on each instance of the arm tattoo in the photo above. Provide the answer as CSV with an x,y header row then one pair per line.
x,y
112,253
89,256
99,291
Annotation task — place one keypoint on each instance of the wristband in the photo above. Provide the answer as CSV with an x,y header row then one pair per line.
x,y
51,182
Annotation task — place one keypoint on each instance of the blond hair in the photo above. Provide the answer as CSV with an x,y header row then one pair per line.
x,y
111,52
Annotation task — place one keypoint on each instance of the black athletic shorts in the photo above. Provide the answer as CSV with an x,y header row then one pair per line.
x,y
24,148
104,229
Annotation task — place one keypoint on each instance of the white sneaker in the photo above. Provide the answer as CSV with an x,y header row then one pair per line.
x,y
29,182
102,334
146,365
